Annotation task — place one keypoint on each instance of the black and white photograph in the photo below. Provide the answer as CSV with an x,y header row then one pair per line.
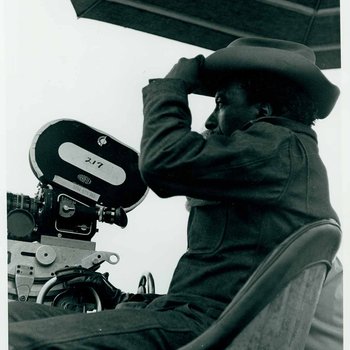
x,y
176,174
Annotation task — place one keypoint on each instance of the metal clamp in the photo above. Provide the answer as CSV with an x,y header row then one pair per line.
x,y
24,280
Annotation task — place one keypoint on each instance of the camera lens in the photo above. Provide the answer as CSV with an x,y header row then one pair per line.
x,y
20,201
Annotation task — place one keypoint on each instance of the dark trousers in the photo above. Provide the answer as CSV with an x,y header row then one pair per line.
x,y
35,326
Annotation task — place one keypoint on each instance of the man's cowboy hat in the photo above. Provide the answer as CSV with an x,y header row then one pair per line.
x,y
288,59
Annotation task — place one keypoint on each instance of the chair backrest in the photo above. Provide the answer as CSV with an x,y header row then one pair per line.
x,y
314,243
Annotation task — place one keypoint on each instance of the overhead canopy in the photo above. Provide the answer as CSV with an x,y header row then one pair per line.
x,y
214,24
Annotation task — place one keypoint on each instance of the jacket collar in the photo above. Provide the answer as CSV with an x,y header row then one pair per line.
x,y
286,122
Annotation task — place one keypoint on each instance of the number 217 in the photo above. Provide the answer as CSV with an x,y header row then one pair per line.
x,y
93,162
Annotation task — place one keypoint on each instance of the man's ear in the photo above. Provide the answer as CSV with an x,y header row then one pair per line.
x,y
264,110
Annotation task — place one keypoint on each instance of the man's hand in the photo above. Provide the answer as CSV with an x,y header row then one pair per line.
x,y
110,296
188,71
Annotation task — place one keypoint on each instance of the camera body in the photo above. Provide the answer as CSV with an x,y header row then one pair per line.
x,y
85,176
54,212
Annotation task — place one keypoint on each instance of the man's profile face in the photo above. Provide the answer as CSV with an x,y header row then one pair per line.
x,y
232,110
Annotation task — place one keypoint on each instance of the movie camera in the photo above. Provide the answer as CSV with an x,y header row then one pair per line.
x,y
85,176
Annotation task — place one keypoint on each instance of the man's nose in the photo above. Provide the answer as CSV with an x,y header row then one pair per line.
x,y
212,122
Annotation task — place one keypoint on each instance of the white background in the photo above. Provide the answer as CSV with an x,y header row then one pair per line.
x,y
59,67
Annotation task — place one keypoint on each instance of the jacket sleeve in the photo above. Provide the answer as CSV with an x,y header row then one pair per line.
x,y
252,164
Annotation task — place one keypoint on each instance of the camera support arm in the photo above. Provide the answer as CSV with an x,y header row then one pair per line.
x,y
32,264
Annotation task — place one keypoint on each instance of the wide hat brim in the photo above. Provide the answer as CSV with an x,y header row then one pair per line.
x,y
293,61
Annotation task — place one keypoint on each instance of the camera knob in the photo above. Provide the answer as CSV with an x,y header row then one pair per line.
x,y
45,255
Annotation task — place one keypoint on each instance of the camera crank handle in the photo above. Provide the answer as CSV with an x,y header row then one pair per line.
x,y
97,258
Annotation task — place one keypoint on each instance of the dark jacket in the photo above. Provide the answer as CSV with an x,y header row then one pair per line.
x,y
255,188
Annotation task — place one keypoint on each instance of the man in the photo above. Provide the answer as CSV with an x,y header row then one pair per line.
x,y
252,180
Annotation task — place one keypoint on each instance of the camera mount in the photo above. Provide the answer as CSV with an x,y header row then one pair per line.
x,y
85,176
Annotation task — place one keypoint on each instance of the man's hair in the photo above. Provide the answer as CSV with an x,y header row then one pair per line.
x,y
286,98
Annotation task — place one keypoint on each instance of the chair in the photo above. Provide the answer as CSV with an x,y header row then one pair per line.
x,y
275,307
